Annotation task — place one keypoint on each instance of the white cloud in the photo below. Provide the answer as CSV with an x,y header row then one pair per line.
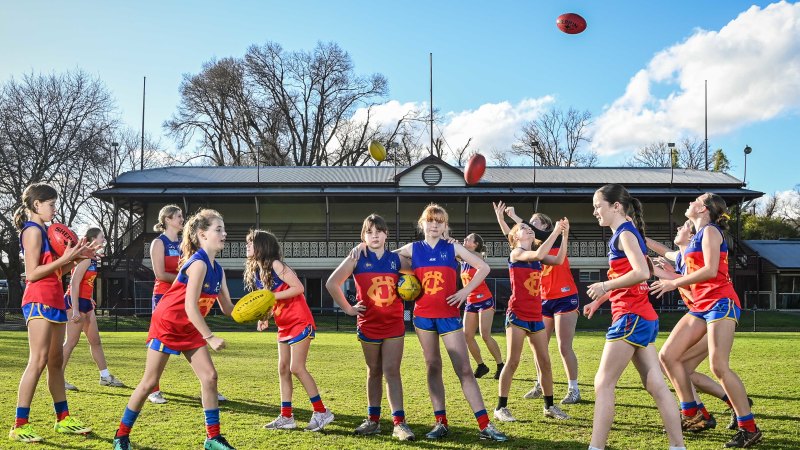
x,y
752,66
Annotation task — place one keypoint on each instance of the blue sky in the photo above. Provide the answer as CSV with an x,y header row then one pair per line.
x,y
638,68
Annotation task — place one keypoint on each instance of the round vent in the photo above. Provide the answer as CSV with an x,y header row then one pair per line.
x,y
431,175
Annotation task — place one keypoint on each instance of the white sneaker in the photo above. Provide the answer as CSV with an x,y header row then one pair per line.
x,y
69,386
319,420
157,398
573,396
112,381
556,413
221,398
282,423
536,392
504,415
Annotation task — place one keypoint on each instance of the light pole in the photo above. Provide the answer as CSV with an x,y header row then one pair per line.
x,y
115,145
671,147
747,151
535,145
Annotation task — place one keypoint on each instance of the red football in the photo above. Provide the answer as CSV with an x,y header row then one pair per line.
x,y
61,237
571,23
475,168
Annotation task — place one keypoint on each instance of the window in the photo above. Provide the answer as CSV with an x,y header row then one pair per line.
x,y
589,276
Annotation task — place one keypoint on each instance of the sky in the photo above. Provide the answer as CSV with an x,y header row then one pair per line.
x,y
640,67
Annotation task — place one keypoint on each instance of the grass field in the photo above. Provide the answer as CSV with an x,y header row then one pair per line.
x,y
769,364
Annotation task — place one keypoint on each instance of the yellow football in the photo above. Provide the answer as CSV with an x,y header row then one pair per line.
x,y
408,287
377,150
253,306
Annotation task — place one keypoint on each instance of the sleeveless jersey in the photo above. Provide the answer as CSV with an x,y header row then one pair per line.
x,y
86,288
686,293
706,293
48,290
557,281
480,293
289,312
436,269
172,253
632,299
376,287
526,299
169,323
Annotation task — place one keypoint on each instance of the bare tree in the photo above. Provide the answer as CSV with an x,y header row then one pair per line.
x,y
560,136
688,153
51,128
500,158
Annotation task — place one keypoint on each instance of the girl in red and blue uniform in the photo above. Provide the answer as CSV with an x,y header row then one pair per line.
x,y
479,311
165,251
178,326
296,327
714,311
80,303
524,314
380,325
44,311
436,314
634,321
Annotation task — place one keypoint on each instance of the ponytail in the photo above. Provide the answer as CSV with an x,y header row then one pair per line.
x,y
717,210
616,193
198,222
166,213
637,214
20,217
34,192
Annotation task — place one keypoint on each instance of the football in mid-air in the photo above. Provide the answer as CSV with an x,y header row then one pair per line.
x,y
476,166
377,151
571,23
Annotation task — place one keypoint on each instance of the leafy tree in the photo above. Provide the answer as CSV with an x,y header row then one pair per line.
x,y
720,161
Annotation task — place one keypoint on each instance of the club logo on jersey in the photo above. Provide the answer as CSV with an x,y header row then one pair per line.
x,y
465,278
532,283
394,265
432,282
382,291
276,311
546,270
205,304
691,265
443,255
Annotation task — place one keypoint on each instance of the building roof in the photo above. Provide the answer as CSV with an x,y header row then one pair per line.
x,y
783,253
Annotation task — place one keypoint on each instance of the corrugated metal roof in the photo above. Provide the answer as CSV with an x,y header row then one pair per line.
x,y
783,253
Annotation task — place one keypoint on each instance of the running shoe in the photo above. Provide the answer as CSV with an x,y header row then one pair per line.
x,y
69,386
122,442
703,424
157,398
555,412
319,420
573,396
744,439
439,431
688,423
71,425
282,423
221,398
403,432
504,415
367,427
218,442
499,371
481,370
24,433
111,381
493,434
534,393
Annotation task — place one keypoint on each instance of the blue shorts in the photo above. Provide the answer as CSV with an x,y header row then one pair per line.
x,y
724,308
156,299
84,305
564,305
363,338
159,346
634,330
307,333
480,306
530,326
32,311
441,326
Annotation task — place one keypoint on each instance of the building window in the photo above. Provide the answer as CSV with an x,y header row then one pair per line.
x,y
589,276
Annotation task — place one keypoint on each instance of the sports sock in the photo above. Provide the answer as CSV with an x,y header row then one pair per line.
x,y
105,373
374,413
727,401
483,419
441,416
316,402
286,409
689,409
22,417
502,402
212,422
703,410
548,401
677,448
594,448
126,423
156,389
573,384
62,410
398,417
747,422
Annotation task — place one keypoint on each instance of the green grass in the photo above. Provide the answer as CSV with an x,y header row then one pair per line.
x,y
767,362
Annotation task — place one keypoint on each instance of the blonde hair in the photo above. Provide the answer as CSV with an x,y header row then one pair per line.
x,y
199,222
166,213
432,212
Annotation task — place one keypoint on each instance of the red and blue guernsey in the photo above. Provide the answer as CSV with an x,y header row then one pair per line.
x,y
291,315
170,324
172,253
376,287
686,293
480,293
87,283
48,290
632,299
706,293
437,270
557,281
526,298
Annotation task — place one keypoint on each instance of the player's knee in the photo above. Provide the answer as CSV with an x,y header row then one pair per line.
x,y
208,377
94,341
284,368
374,371
433,367
297,368
719,367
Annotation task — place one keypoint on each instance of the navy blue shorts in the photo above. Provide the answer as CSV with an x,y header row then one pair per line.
x,y
442,326
363,338
480,306
32,311
724,308
530,326
307,333
84,305
564,305
634,330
